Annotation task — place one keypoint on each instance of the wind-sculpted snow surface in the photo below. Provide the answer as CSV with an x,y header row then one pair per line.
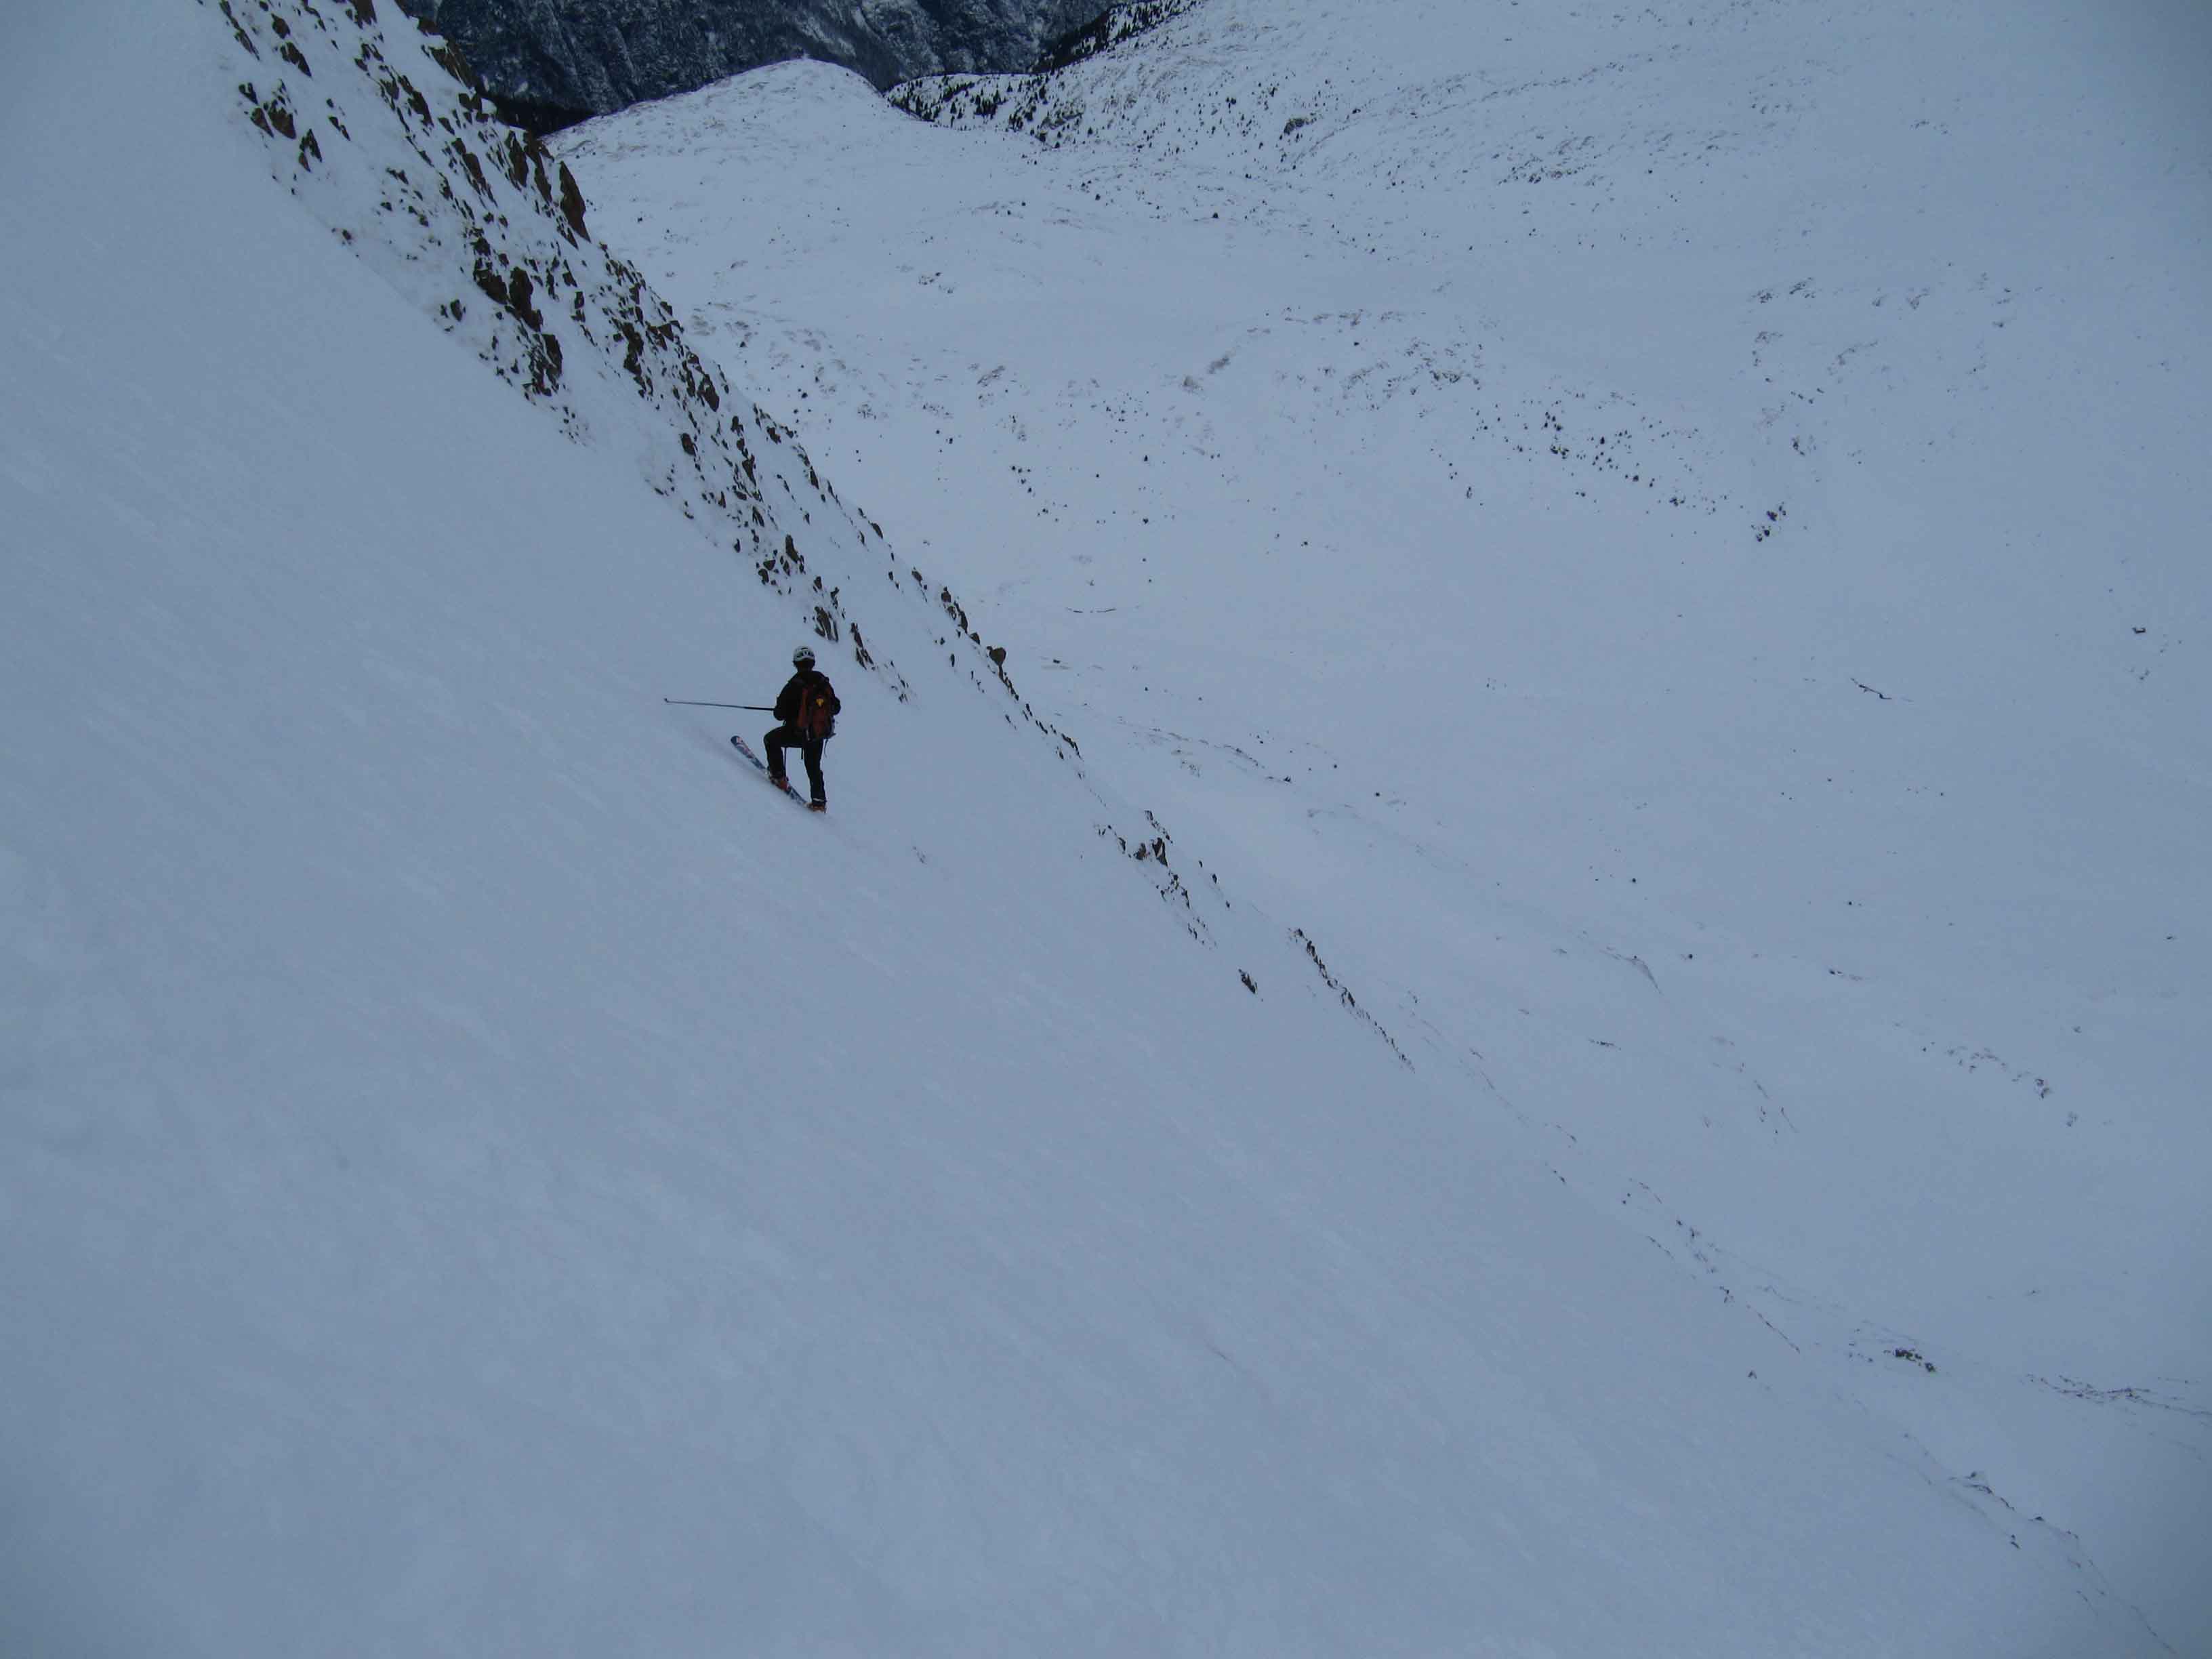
x,y
1667,543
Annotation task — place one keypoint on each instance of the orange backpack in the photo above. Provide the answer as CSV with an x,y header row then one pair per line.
x,y
817,709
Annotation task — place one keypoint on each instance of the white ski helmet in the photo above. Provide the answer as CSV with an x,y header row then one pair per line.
x,y
803,658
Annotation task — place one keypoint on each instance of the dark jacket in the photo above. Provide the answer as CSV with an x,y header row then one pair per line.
x,y
809,704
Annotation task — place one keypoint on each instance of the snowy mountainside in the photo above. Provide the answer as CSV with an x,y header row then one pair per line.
x,y
482,1175
470,223
464,201
1669,544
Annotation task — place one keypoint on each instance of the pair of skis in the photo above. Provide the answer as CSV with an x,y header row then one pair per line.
x,y
747,748
760,766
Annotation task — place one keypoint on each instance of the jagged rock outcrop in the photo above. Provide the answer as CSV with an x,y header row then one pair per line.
x,y
549,63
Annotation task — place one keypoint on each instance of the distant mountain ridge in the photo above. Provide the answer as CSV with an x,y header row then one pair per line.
x,y
552,62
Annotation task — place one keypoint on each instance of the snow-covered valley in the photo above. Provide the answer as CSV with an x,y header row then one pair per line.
x,y
1563,1016
1673,542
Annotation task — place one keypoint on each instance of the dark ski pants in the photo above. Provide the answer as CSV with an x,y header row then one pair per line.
x,y
809,749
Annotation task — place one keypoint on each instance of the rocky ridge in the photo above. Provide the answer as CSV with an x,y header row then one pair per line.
x,y
551,65
485,229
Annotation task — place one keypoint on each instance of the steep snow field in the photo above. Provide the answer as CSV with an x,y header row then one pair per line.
x,y
1673,544
481,1174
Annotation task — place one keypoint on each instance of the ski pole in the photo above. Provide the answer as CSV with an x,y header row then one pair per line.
x,y
686,702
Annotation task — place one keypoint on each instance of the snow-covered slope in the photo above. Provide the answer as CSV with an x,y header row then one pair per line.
x,y
1672,545
480,1173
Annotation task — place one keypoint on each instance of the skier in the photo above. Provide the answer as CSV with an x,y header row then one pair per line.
x,y
808,706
